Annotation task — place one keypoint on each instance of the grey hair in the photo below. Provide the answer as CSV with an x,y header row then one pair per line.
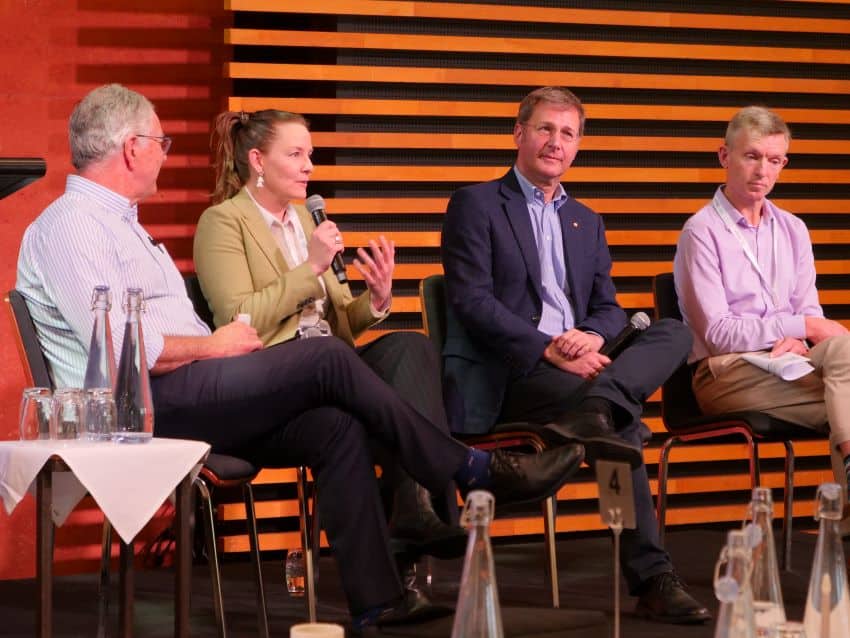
x,y
103,120
759,121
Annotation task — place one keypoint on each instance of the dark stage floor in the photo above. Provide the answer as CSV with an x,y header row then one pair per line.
x,y
585,579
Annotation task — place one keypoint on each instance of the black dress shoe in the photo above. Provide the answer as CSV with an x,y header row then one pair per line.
x,y
665,599
515,478
415,528
414,607
595,431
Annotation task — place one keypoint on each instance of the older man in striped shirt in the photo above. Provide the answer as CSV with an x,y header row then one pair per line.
x,y
310,402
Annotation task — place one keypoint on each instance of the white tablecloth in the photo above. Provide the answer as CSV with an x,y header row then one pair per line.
x,y
129,482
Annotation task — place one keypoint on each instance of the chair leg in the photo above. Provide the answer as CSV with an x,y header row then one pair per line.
x,y
661,502
315,532
549,519
306,544
788,514
254,541
212,554
755,465
103,586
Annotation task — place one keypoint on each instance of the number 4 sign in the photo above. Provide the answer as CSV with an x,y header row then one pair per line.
x,y
616,499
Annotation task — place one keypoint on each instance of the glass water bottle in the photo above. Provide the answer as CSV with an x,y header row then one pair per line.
x,y
735,618
477,614
133,388
100,370
828,605
767,593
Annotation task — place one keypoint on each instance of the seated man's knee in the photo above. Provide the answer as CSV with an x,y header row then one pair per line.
x,y
678,333
837,353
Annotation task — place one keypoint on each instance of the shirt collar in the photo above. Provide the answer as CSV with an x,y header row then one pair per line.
x,y
268,217
767,213
108,199
534,195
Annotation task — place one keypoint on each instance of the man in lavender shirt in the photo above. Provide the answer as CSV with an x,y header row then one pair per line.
x,y
745,276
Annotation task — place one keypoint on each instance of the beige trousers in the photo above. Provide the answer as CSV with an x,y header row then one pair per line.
x,y
727,383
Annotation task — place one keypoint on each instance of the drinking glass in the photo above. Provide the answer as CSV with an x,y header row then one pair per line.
x,y
67,417
100,415
34,416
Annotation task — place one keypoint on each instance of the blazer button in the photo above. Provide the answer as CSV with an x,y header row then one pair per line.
x,y
535,318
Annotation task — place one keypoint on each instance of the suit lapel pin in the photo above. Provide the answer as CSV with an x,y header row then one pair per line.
x,y
575,224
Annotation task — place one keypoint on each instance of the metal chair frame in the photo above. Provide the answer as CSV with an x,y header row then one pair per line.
x,y
686,423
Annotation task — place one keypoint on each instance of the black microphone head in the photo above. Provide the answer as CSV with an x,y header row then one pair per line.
x,y
314,202
640,321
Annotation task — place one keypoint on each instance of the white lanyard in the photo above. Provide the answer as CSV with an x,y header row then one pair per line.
x,y
721,211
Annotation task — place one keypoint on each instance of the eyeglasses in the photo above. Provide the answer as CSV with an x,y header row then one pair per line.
x,y
164,141
548,131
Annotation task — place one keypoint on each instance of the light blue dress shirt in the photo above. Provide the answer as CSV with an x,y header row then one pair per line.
x,y
89,236
557,315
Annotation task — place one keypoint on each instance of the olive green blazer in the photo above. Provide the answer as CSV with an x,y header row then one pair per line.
x,y
242,270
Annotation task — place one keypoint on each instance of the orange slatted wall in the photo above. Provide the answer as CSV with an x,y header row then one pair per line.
x,y
410,100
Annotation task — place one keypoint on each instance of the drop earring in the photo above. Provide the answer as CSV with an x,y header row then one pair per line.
x,y
260,181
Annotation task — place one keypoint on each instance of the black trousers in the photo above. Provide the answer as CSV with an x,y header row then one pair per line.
x,y
410,365
549,394
314,402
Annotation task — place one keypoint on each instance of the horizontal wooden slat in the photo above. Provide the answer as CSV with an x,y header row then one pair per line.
x,y
432,75
576,174
440,108
542,46
519,13
588,143
637,205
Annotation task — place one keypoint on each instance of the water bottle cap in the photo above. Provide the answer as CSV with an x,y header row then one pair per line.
x,y
134,299
101,295
737,538
763,495
829,502
478,509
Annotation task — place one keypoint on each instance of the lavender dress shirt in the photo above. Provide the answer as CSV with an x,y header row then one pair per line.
x,y
721,295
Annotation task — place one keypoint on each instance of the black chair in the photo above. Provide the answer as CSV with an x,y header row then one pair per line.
x,y
685,423
432,294
308,523
218,471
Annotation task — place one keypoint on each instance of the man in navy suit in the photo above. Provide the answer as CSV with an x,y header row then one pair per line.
x,y
532,303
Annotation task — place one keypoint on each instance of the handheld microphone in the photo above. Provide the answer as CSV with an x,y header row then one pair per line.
x,y
638,323
316,207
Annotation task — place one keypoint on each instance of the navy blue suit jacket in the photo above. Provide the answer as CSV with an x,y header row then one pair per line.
x,y
493,284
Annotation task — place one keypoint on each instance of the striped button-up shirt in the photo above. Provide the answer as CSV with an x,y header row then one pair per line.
x,y
90,236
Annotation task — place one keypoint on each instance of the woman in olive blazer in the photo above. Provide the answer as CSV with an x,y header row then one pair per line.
x,y
242,270
263,162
